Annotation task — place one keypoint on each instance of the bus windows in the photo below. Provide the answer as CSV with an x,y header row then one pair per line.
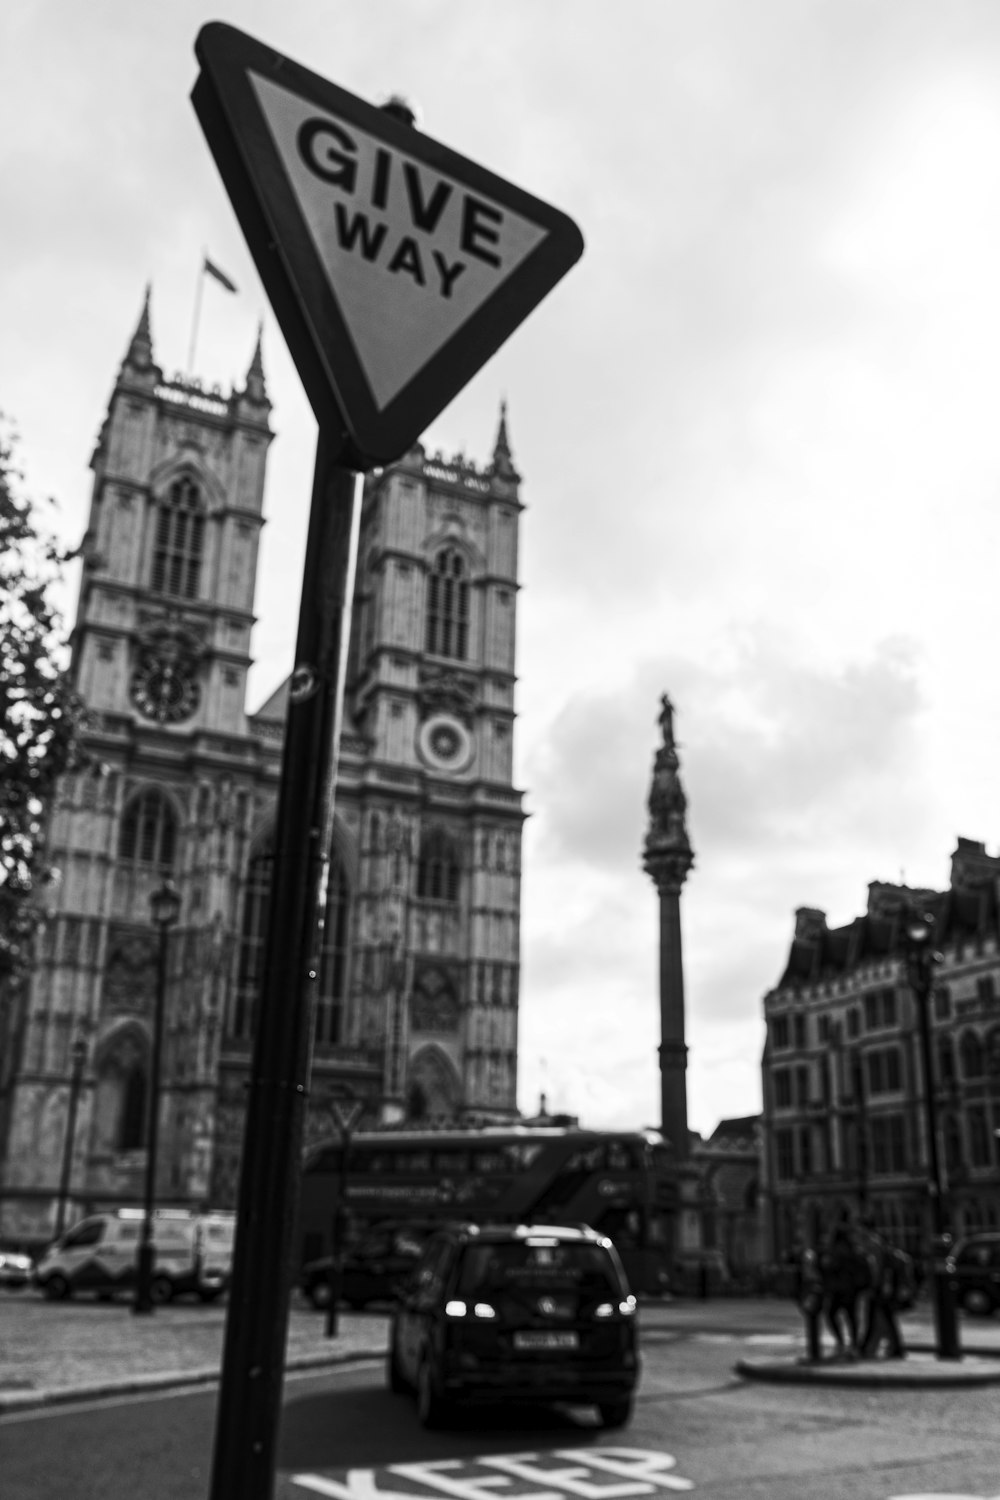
x,y
455,1163
488,1162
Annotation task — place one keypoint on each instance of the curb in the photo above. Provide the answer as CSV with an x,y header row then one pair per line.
x,y
14,1401
972,1371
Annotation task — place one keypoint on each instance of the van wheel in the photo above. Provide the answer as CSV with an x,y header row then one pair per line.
x,y
57,1288
977,1302
161,1290
615,1413
432,1409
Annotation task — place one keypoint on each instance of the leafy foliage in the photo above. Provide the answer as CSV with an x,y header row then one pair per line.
x,y
41,717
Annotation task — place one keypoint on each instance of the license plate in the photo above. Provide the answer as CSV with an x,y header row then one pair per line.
x,y
531,1340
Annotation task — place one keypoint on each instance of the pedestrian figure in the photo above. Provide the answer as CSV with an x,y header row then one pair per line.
x,y
846,1275
881,1325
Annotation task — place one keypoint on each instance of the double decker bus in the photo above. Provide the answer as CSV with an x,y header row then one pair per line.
x,y
622,1183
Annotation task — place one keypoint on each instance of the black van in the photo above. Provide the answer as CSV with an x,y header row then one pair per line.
x,y
501,1314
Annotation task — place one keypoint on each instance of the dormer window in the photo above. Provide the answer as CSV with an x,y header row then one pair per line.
x,y
180,541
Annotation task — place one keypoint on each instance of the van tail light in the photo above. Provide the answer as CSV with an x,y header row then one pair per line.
x,y
625,1309
456,1308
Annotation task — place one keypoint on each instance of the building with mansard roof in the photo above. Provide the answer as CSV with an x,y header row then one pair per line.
x,y
418,980
844,1112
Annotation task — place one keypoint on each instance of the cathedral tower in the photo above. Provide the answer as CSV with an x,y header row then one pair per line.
x,y
160,654
667,858
417,994
431,692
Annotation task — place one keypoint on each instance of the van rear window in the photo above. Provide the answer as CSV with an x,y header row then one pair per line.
x,y
495,1267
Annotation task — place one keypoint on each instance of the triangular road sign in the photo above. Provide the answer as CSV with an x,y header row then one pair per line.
x,y
395,267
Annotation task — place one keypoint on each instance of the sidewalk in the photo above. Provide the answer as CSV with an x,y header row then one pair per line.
x,y
979,1365
64,1351
919,1368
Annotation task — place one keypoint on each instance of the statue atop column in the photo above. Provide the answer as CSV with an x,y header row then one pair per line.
x,y
667,851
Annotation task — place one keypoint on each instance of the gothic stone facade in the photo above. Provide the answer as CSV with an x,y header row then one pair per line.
x,y
844,1117
418,986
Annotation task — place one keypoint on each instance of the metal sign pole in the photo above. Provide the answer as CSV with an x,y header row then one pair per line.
x,y
257,1322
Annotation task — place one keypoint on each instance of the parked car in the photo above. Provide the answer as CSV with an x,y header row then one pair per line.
x,y
499,1314
974,1268
15,1269
192,1254
373,1266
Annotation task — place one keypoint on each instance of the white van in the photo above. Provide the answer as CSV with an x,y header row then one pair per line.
x,y
192,1253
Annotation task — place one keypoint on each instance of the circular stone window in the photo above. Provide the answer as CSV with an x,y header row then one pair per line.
x,y
444,743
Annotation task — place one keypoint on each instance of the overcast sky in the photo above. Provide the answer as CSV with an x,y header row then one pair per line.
x,y
756,424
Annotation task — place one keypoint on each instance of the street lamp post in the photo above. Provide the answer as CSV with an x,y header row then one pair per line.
x,y
78,1056
860,1126
920,961
165,905
346,1112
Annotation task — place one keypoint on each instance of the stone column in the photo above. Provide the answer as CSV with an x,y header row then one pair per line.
x,y
667,858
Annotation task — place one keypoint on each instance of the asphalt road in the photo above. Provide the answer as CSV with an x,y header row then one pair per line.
x,y
697,1428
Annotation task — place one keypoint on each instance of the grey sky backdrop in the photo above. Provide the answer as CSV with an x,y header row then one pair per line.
x,y
757,426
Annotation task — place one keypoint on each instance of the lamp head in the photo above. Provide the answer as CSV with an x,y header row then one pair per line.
x,y
920,929
165,904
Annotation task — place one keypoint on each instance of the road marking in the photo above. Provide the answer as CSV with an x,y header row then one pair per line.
x,y
593,1474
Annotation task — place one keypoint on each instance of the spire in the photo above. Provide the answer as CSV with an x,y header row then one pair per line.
x,y
140,350
255,389
502,463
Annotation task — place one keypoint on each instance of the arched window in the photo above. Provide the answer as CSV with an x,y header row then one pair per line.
x,y
180,541
448,606
433,1090
946,1060
122,1094
253,929
132,1120
438,867
973,1060
253,935
149,831
333,959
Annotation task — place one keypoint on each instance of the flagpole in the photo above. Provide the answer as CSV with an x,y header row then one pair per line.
x,y
197,315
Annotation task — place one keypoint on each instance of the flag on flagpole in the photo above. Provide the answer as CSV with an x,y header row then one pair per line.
x,y
220,276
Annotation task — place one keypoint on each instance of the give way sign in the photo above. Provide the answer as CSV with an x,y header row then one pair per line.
x,y
395,267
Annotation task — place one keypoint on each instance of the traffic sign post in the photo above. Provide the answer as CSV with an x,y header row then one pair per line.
x,y
257,1319
395,268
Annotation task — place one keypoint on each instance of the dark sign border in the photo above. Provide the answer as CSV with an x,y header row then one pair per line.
x,y
291,269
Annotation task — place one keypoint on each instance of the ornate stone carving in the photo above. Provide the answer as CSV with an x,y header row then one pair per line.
x,y
130,969
444,691
434,1005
